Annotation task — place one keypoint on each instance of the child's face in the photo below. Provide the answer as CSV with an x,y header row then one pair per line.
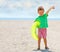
x,y
41,12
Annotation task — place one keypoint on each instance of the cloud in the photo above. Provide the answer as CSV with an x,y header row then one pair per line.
x,y
18,4
14,5
2,2
25,7
27,3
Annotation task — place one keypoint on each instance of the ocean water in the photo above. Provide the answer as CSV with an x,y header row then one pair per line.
x,y
26,18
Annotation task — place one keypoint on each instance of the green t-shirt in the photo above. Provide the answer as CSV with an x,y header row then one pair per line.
x,y
43,21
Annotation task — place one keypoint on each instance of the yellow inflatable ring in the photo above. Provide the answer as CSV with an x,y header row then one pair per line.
x,y
33,30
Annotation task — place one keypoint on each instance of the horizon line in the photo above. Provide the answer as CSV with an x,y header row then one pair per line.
x,y
26,18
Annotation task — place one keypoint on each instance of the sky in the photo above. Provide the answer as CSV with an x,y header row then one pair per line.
x,y
27,8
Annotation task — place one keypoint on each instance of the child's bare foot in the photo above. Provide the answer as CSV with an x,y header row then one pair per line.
x,y
46,48
38,48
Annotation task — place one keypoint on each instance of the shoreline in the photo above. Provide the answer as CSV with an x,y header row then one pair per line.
x,y
26,18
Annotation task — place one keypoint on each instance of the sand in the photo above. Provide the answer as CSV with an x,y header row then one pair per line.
x,y
15,36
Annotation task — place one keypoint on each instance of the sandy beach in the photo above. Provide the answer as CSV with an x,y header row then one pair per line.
x,y
15,36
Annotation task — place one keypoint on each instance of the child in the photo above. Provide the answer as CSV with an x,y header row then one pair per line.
x,y
42,29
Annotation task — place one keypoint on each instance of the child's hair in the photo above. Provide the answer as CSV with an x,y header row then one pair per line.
x,y
40,8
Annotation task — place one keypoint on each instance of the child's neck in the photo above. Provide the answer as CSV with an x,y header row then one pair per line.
x,y
40,15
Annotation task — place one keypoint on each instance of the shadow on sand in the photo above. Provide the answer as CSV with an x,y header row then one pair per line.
x,y
46,50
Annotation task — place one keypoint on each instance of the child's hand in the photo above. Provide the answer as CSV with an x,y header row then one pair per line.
x,y
52,7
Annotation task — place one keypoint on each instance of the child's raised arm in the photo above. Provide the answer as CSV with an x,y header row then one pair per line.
x,y
50,9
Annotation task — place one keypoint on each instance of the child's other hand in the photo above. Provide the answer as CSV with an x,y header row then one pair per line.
x,y
52,7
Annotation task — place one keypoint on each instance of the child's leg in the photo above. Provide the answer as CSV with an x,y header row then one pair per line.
x,y
44,37
39,41
45,42
39,38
